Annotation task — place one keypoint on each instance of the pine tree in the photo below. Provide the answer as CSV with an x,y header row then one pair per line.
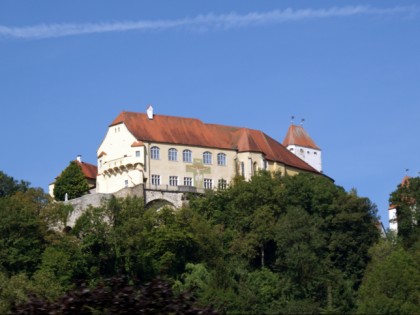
x,y
71,181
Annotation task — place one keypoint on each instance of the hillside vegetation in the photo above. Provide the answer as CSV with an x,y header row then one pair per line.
x,y
273,245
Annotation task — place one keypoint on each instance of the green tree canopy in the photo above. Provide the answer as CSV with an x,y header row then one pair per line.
x,y
71,181
22,231
292,244
392,282
308,231
9,186
407,200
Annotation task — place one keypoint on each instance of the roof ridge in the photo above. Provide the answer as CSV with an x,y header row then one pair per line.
x,y
194,132
297,135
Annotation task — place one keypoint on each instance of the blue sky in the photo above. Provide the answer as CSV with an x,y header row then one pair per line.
x,y
350,68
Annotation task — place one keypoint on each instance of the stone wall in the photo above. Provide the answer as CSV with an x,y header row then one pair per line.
x,y
97,199
81,204
175,198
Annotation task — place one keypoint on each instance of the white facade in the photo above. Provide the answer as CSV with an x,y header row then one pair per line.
x,y
309,155
147,149
393,223
120,164
124,162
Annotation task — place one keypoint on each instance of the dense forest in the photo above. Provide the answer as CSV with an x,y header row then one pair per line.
x,y
272,245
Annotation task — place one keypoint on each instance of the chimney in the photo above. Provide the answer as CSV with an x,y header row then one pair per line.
x,y
150,112
79,158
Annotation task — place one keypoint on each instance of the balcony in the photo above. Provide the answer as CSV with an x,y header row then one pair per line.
x,y
122,164
183,189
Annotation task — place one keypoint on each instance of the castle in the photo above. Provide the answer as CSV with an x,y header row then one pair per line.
x,y
171,152
160,153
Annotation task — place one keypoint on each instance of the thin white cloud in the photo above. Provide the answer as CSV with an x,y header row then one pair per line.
x,y
201,22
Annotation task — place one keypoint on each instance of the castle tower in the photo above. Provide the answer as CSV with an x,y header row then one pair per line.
x,y
392,210
299,142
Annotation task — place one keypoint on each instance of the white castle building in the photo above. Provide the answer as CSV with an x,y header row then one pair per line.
x,y
170,152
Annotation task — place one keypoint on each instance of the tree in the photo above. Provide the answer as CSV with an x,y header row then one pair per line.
x,y
22,231
63,262
392,282
71,181
9,186
13,290
94,230
407,200
304,228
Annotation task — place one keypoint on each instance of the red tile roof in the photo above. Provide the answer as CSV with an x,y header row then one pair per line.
x,y
137,144
89,170
191,131
405,180
296,135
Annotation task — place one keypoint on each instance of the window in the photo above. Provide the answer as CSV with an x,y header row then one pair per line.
x,y
242,169
155,179
137,153
100,163
155,153
126,183
187,156
265,164
173,154
222,184
207,157
173,180
208,183
188,181
221,159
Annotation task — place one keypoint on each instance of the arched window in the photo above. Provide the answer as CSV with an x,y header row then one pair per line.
x,y
207,157
155,153
173,154
242,169
221,159
187,156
